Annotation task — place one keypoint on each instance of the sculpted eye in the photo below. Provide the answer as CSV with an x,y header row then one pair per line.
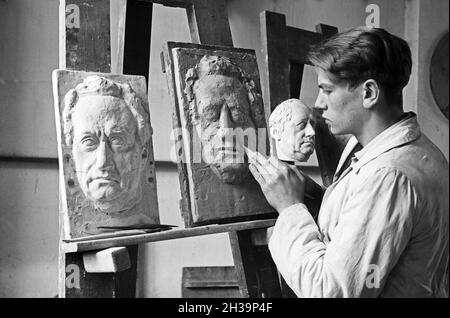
x,y
118,142
89,141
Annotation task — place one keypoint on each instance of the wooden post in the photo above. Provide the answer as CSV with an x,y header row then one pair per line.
x,y
208,22
85,45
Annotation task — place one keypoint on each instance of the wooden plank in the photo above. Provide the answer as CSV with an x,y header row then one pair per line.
x,y
256,272
208,22
70,247
171,3
209,282
274,66
85,45
104,285
138,24
88,45
299,42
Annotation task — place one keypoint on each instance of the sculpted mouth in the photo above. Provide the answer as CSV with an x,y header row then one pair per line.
x,y
106,179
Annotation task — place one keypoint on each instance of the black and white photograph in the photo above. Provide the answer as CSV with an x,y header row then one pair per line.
x,y
224,154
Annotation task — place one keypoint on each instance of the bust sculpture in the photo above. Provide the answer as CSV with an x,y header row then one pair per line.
x,y
291,131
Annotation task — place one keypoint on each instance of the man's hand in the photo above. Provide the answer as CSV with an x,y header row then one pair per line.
x,y
281,185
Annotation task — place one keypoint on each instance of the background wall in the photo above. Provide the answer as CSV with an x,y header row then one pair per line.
x,y
28,191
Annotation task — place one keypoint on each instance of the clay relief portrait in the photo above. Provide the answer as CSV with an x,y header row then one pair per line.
x,y
292,131
219,111
106,152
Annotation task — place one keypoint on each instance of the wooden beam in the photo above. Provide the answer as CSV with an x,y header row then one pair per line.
x,y
255,270
111,260
86,46
171,3
77,246
208,22
138,25
87,35
275,66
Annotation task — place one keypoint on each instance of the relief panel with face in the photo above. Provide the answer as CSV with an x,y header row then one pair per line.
x,y
106,150
220,109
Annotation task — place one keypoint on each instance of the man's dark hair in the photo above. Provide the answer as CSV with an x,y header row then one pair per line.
x,y
363,53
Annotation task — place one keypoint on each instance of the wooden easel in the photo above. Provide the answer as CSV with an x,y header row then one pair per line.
x,y
88,48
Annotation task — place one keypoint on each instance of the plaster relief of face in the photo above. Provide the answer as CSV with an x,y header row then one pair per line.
x,y
292,131
108,159
223,107
226,104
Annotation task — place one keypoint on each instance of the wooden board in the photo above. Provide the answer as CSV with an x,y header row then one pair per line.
x,y
81,217
206,197
90,245
87,35
209,282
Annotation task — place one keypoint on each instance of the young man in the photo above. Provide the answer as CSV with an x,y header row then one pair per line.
x,y
382,229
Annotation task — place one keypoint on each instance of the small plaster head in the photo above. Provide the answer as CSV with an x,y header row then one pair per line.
x,y
291,130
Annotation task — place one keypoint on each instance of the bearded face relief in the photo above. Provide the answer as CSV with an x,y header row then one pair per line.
x,y
292,131
106,153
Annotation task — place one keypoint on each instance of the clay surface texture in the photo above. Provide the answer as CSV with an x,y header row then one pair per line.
x,y
105,152
220,109
291,131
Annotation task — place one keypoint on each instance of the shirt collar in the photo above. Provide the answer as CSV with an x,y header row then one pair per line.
x,y
400,133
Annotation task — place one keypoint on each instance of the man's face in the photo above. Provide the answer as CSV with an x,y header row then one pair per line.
x,y
342,107
108,160
297,138
224,111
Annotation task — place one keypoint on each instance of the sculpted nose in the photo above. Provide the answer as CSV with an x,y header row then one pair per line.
x,y
309,130
104,155
225,120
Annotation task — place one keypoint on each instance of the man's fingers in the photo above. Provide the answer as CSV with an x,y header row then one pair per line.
x,y
257,175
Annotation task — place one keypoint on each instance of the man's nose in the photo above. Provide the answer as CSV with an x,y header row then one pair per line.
x,y
104,155
320,102
309,130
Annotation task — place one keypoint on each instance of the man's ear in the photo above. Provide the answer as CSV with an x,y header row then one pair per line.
x,y
371,93
274,133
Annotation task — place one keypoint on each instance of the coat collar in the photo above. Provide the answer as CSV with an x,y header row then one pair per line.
x,y
402,132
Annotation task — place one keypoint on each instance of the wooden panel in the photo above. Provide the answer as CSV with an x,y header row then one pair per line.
x,y
138,26
105,285
208,22
256,272
275,66
214,200
88,45
209,282
299,42
82,217
90,245
85,45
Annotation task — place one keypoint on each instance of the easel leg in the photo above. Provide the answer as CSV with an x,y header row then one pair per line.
x,y
256,272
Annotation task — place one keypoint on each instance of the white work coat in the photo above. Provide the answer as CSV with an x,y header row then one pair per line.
x,y
382,229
